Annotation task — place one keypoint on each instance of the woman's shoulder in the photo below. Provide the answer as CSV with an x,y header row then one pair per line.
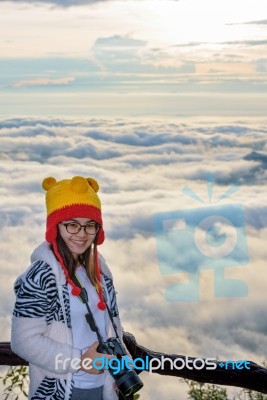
x,y
39,274
44,269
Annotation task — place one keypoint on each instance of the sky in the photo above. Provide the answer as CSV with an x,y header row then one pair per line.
x,y
181,58
153,99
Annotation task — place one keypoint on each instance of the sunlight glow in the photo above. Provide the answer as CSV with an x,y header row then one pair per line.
x,y
210,21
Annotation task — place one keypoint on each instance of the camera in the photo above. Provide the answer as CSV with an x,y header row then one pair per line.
x,y
127,380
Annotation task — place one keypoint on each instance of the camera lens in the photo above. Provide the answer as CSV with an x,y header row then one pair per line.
x,y
128,382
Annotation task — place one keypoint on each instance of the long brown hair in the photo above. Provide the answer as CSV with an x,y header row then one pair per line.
x,y
87,259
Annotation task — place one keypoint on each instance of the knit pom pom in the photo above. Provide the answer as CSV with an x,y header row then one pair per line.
x,y
101,305
75,291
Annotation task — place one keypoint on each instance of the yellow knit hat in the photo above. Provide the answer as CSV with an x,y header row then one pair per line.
x,y
73,198
69,198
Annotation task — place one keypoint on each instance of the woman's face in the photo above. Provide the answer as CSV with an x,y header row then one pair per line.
x,y
78,242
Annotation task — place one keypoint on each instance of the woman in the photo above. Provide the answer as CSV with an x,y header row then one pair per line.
x,y
49,328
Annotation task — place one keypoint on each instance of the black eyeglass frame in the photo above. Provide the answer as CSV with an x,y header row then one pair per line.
x,y
97,226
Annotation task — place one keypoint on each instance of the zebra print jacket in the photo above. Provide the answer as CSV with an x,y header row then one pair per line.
x,y
41,326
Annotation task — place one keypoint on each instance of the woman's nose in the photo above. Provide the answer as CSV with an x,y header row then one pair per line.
x,y
82,232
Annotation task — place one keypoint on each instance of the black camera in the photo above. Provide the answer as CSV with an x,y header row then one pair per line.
x,y
127,380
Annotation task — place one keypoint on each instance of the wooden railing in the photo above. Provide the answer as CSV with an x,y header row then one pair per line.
x,y
254,378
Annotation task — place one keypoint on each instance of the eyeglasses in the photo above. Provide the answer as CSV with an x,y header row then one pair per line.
x,y
75,227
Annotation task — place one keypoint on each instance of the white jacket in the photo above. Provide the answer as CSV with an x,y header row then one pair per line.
x,y
41,326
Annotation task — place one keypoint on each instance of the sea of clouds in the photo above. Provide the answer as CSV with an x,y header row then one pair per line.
x,y
142,166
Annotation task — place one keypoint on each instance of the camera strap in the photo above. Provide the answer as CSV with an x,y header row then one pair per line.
x,y
83,296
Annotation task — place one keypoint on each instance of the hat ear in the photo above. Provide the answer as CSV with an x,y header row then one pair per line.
x,y
48,183
78,184
93,183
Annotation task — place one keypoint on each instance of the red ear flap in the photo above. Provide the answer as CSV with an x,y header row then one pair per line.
x,y
93,183
51,233
101,236
48,183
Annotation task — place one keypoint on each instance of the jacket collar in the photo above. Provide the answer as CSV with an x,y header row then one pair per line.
x,y
44,253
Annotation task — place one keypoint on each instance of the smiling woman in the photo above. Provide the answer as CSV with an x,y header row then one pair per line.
x,y
50,316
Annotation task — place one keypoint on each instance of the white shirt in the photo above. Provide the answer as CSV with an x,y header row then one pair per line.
x,y
83,337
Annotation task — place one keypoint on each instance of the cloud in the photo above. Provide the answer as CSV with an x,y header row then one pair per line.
x,y
60,3
247,42
191,44
44,82
234,42
256,156
142,166
259,22
64,3
261,65
161,317
119,41
128,55
206,45
121,64
187,68
33,122
143,138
